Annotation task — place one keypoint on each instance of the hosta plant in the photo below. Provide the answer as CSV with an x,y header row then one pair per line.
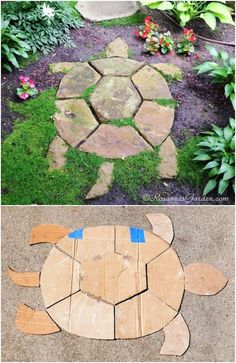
x,y
13,45
222,71
217,152
184,11
186,45
27,88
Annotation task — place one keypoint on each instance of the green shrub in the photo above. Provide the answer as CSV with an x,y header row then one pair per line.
x,y
185,11
13,45
46,25
222,71
217,151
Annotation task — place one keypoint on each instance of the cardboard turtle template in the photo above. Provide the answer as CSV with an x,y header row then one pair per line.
x,y
114,282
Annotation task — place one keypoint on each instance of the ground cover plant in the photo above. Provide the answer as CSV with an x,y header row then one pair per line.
x,y
28,127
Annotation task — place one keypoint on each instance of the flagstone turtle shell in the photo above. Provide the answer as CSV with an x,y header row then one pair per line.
x,y
114,282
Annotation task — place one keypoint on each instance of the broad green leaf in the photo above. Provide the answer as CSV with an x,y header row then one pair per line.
x,y
209,186
165,5
184,18
225,19
202,157
210,19
228,133
220,71
228,90
181,6
229,173
232,99
219,8
232,122
206,67
224,55
223,185
212,50
224,167
211,165
213,172
12,59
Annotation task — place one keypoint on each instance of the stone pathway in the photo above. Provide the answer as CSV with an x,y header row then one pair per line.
x,y
119,88
105,10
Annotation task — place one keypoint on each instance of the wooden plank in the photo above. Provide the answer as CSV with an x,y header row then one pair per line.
x,y
50,233
177,337
27,279
87,317
112,277
144,252
142,315
30,321
166,278
60,277
161,226
204,279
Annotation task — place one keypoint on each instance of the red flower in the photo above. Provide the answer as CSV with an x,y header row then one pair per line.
x,y
192,38
147,19
144,35
136,34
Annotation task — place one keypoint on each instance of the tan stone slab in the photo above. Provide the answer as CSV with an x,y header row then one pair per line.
x,y
115,142
29,279
166,278
115,98
144,252
113,278
204,279
62,67
60,277
168,165
142,315
30,321
74,121
151,84
170,70
116,66
84,316
103,182
154,122
56,153
50,233
117,48
96,242
161,226
177,337
75,82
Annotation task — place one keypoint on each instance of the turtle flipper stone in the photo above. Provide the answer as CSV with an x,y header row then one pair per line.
x,y
161,226
30,321
47,233
27,279
204,279
177,337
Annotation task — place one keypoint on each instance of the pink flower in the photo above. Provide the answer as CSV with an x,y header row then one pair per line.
x,y
24,79
31,83
147,19
24,96
136,34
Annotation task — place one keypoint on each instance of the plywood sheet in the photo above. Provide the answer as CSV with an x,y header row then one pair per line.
x,y
30,321
87,317
204,279
51,233
59,277
166,278
28,279
141,315
144,252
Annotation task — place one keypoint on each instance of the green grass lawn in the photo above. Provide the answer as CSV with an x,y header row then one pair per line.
x,y
25,175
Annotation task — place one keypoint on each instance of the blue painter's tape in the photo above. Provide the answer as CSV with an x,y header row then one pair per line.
x,y
137,235
78,233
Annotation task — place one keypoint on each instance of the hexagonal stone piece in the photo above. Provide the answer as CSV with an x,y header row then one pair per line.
x,y
116,66
74,121
170,70
151,84
154,122
115,98
168,165
56,153
77,80
112,278
117,48
114,142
